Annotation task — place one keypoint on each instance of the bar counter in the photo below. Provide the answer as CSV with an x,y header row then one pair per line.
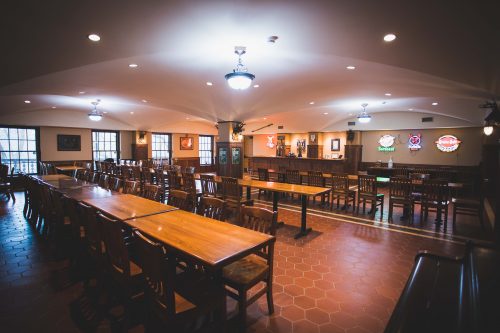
x,y
298,163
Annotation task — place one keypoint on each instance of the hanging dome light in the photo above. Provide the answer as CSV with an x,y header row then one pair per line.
x,y
95,115
364,117
239,79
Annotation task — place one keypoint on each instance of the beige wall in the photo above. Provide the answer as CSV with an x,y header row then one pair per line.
x,y
176,150
469,152
259,147
48,144
327,143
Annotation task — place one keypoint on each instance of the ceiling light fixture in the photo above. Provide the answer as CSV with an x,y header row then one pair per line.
x,y
239,79
95,115
27,101
435,103
312,103
256,86
133,65
94,37
389,37
144,100
351,68
364,117
209,83
325,113
388,94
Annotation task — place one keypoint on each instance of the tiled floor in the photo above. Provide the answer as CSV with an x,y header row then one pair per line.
x,y
345,276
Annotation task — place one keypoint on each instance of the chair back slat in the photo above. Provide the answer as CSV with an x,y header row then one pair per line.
x,y
116,248
293,176
263,174
151,192
315,178
400,187
230,189
179,199
208,185
367,184
130,187
340,183
92,229
174,181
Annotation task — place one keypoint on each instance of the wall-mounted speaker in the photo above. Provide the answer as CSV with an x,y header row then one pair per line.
x,y
350,135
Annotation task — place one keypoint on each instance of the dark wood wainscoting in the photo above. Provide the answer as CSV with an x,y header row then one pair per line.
x,y
301,164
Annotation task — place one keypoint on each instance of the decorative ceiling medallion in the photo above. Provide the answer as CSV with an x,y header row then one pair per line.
x,y
448,143
414,142
386,143
270,143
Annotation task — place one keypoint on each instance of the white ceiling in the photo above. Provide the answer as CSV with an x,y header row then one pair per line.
x,y
446,52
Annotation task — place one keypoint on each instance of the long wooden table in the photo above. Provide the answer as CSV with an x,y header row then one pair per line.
x,y
212,243
127,206
86,193
63,181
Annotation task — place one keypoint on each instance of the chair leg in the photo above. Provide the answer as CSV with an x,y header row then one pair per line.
x,y
454,217
391,207
270,303
242,309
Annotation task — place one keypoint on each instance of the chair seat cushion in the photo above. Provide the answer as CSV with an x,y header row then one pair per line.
x,y
245,271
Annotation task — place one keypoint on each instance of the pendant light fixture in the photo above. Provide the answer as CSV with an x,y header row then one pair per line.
x,y
364,117
95,115
239,79
493,119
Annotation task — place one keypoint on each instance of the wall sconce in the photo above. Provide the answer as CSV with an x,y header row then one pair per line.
x,y
493,119
142,136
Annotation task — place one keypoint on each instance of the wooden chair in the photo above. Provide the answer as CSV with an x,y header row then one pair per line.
x,y
177,300
115,184
6,186
179,199
189,169
126,274
340,190
94,177
130,187
93,243
231,193
212,207
417,180
435,195
189,185
162,182
151,192
103,181
263,176
246,273
401,172
293,177
470,207
208,186
367,191
315,178
174,181
400,196
60,225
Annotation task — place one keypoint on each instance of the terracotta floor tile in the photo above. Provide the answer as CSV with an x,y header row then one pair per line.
x,y
292,313
304,302
317,316
305,326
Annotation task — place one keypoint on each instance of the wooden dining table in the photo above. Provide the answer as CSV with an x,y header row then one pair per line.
x,y
127,206
86,193
212,243
63,181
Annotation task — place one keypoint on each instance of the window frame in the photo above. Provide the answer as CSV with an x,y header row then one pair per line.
x,y
118,146
37,145
169,150
205,150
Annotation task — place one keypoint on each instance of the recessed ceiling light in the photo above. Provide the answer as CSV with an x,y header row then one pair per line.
x,y
264,118
351,68
132,112
389,37
27,101
388,94
209,83
434,103
105,112
81,92
94,37
410,109
144,100
187,118
256,86
54,107
312,103
133,65
325,113
350,114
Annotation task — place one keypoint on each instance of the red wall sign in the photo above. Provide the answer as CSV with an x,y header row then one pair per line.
x,y
448,143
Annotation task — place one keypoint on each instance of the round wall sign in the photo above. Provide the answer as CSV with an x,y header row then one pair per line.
x,y
448,143
414,142
386,143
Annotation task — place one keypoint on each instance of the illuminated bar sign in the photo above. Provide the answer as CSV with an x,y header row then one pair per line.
x,y
414,142
386,143
448,143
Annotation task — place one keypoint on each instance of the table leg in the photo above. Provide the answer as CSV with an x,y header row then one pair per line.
x,y
221,315
275,207
249,192
303,223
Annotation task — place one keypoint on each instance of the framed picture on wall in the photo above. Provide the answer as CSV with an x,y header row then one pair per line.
x,y
69,142
187,143
235,155
335,144
222,155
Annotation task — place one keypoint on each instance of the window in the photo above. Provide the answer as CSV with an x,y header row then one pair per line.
x,y
206,148
19,148
105,145
161,146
